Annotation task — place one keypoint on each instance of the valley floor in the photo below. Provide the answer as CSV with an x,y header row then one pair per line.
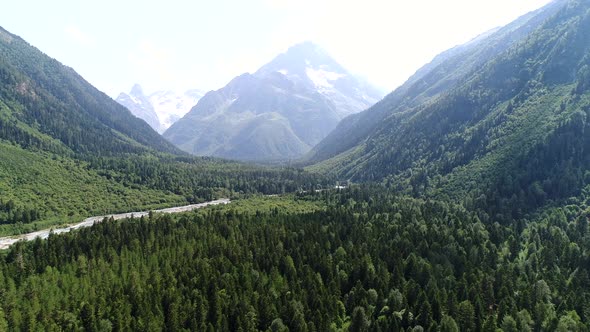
x,y
6,242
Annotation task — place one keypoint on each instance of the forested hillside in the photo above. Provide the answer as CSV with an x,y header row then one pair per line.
x,y
510,136
366,260
40,97
444,73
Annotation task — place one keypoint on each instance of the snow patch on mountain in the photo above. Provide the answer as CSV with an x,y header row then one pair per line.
x,y
321,78
171,106
161,108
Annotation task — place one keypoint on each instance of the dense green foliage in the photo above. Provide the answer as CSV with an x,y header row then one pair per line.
x,y
204,178
11,214
368,261
39,189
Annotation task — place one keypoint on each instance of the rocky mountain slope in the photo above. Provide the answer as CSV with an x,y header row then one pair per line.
x,y
278,113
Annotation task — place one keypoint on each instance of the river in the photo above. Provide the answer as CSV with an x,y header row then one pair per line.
x,y
7,241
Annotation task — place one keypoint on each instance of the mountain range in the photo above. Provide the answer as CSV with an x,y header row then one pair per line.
x,y
466,208
69,151
161,108
278,113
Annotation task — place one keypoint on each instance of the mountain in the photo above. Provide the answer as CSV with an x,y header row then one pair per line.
x,y
161,108
54,126
277,113
140,106
501,120
310,66
46,104
443,73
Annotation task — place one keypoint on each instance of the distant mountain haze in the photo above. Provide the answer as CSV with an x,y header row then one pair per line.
x,y
278,113
161,108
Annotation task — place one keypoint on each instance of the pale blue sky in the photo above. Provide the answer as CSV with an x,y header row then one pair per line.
x,y
176,44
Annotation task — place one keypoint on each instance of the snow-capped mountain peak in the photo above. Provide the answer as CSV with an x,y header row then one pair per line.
x,y
159,109
277,113
310,66
139,105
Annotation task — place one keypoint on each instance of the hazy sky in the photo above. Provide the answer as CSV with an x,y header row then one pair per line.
x,y
176,44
